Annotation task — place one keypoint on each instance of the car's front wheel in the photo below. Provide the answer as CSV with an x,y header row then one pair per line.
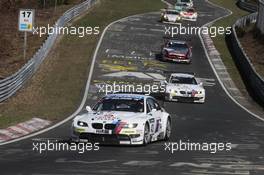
x,y
146,139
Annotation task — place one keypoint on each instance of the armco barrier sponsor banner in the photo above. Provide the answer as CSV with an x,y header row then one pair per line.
x,y
23,129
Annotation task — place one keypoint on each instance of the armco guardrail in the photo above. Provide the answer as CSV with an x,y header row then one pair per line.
x,y
11,84
243,4
253,81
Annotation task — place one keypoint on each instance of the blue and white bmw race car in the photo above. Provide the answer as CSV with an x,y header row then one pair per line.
x,y
123,119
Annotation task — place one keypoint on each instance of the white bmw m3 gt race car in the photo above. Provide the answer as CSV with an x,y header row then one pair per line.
x,y
123,119
184,87
170,16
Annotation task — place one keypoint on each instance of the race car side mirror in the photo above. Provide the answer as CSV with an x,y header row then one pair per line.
x,y
88,108
201,84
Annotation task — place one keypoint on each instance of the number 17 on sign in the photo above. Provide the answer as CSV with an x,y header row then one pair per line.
x,y
25,24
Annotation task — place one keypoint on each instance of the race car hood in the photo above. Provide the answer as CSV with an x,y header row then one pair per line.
x,y
184,87
109,116
177,52
172,17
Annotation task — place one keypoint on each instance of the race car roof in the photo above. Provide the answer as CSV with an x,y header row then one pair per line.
x,y
185,75
125,96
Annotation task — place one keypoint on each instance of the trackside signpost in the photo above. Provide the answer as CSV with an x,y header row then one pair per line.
x,y
25,24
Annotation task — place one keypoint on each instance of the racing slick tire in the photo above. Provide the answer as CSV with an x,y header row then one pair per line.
x,y
168,130
146,138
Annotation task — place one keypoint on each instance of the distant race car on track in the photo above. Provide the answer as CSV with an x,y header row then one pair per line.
x,y
179,7
177,51
170,16
123,119
188,3
189,14
184,87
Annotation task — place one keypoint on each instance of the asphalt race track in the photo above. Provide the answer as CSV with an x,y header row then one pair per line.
x,y
133,44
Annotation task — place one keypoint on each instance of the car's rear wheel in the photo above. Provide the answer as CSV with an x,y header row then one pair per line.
x,y
168,130
146,139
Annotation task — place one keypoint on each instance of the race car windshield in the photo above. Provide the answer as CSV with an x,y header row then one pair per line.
x,y
180,47
190,10
181,4
128,105
185,1
183,80
172,13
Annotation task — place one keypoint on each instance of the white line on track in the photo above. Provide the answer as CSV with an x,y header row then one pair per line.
x,y
202,165
156,30
141,163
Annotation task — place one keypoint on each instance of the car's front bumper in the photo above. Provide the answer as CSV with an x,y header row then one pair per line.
x,y
112,139
189,18
173,21
177,60
108,139
182,98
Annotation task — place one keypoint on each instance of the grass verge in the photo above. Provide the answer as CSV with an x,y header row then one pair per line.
x,y
57,88
220,43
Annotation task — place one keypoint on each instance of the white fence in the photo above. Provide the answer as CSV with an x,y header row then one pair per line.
x,y
260,22
11,84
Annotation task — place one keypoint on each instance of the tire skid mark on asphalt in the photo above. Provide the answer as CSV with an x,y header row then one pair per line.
x,y
64,160
203,165
141,163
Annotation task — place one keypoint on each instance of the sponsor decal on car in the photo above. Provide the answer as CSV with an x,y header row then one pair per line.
x,y
106,117
128,131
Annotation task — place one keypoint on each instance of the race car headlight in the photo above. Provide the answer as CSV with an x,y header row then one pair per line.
x,y
132,125
172,91
83,124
